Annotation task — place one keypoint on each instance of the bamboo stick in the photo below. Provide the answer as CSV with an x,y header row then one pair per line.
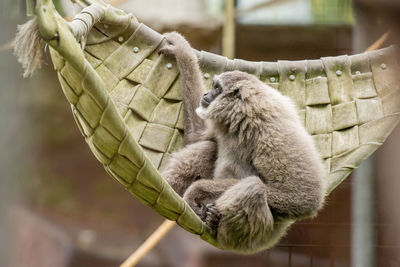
x,y
149,244
378,43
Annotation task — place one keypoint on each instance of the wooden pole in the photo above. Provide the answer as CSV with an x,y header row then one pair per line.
x,y
149,244
228,30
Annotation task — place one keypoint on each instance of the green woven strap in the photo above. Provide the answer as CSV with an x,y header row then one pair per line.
x,y
127,101
118,132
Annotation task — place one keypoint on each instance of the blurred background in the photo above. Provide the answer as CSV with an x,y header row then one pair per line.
x,y
58,207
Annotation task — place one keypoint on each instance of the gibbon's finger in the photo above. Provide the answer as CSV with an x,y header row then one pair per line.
x,y
167,50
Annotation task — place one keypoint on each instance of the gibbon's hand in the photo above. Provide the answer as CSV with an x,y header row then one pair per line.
x,y
176,45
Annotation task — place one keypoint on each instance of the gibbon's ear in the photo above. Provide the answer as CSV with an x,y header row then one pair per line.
x,y
243,89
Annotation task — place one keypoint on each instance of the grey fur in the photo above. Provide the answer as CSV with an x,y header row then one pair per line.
x,y
253,168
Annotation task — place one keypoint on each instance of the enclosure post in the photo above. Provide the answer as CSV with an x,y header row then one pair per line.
x,y
363,216
228,31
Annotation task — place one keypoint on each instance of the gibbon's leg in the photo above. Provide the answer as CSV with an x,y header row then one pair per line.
x,y
202,195
297,203
193,162
192,83
246,222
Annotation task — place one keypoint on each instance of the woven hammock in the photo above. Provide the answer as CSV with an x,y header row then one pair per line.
x,y
127,101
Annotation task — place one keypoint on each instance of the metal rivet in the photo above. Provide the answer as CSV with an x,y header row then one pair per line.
x,y
339,73
105,26
136,49
292,77
272,79
206,75
169,66
358,72
120,39
383,66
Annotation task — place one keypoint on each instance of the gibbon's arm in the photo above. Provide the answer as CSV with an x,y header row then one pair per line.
x,y
196,160
192,163
192,83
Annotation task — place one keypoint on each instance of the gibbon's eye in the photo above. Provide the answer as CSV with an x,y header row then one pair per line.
x,y
218,88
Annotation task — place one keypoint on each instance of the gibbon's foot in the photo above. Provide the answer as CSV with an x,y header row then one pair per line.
x,y
211,216
201,210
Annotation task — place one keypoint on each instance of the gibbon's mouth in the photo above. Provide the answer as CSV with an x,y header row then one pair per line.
x,y
204,103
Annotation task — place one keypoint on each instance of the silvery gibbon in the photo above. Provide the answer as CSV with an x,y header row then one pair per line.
x,y
249,167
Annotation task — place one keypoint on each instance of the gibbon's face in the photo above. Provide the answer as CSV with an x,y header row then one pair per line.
x,y
228,88
209,97
215,91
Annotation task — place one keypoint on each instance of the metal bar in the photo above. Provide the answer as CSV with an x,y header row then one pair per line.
x,y
363,215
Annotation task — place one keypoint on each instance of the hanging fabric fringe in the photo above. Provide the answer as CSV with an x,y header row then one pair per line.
x,y
29,46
